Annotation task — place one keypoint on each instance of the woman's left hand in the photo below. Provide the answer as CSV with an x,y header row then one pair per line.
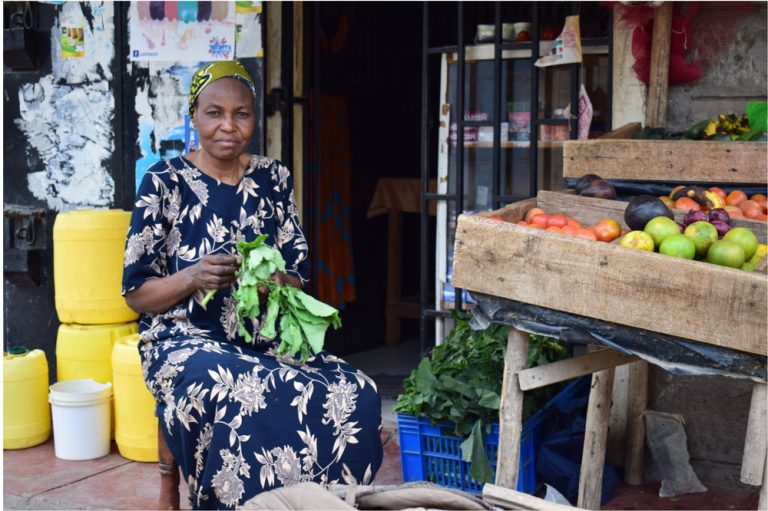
x,y
281,279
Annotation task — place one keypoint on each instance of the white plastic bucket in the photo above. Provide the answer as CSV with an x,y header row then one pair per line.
x,y
81,419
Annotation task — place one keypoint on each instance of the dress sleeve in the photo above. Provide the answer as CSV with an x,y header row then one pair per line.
x,y
289,238
145,247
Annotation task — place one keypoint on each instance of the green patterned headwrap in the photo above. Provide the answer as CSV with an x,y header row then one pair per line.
x,y
209,73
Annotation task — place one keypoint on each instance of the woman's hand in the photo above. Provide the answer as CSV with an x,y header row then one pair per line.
x,y
214,271
281,279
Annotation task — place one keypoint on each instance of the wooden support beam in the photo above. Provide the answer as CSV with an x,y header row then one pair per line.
x,y
617,422
595,435
656,107
625,131
755,441
511,410
638,400
563,370
762,502
511,499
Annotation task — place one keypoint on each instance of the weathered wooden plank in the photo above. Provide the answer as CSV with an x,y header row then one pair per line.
x,y
590,210
512,499
595,436
667,160
656,106
541,376
753,461
688,299
638,401
511,409
615,450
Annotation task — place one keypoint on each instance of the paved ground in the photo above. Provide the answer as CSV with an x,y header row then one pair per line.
x,y
35,478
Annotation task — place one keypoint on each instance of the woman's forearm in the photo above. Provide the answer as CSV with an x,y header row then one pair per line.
x,y
214,271
159,295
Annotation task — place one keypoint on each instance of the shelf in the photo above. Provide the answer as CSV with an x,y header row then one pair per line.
x,y
486,51
511,145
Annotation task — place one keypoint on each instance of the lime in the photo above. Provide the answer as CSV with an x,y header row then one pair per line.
x,y
639,240
703,234
726,253
678,245
745,238
660,228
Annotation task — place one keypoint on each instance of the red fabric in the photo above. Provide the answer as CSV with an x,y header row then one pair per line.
x,y
680,71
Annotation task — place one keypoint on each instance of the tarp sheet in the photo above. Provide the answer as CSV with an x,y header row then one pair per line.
x,y
674,354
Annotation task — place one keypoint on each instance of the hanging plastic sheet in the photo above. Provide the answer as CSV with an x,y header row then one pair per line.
x,y
674,354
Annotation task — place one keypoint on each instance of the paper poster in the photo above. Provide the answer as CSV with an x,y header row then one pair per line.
x,y
248,31
181,31
244,7
162,105
72,23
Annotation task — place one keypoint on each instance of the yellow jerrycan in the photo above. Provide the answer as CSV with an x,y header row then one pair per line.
x,y
135,421
88,248
26,415
85,352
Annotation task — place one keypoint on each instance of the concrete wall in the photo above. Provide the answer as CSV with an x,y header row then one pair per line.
x,y
729,40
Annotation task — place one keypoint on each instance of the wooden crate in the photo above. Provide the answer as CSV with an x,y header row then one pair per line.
x,y
689,299
676,161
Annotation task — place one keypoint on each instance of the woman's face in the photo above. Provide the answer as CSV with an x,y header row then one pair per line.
x,y
225,119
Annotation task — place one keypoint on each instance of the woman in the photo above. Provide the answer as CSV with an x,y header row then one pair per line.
x,y
237,418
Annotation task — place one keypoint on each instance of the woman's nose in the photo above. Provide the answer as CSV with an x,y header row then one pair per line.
x,y
228,122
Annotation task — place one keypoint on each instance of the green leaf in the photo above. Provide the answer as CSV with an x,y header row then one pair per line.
x,y
473,451
757,114
314,306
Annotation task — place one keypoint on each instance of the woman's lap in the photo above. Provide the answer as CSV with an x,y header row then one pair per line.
x,y
243,421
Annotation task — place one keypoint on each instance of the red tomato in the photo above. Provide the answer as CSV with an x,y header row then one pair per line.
x,y
558,220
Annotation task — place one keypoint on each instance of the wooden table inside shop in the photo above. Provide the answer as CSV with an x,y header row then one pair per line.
x,y
394,196
608,287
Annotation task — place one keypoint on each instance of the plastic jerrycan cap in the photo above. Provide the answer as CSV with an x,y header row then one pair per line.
x,y
18,351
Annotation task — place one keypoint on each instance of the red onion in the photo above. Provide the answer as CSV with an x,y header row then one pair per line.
x,y
721,227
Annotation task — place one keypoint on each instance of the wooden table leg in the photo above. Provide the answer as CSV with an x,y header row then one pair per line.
x,y
638,400
511,410
595,436
755,441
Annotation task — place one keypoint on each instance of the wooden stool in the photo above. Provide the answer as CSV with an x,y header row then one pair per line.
x,y
169,474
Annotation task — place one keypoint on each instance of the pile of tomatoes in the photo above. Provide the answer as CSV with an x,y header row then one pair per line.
x,y
607,229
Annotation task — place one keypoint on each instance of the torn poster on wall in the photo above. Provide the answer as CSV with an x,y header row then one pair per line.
x,y
165,129
248,30
181,31
56,110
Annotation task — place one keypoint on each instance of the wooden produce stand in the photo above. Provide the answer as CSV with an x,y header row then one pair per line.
x,y
639,290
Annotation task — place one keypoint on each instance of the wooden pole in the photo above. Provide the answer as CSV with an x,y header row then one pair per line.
x,y
595,435
638,399
762,502
755,447
656,108
511,410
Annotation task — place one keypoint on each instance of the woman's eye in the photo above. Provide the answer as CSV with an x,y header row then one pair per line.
x,y
213,113
243,115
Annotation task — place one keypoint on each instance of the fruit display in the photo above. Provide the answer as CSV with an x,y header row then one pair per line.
x,y
607,229
736,203
704,236
642,209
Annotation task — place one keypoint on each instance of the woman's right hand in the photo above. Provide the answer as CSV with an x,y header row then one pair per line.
x,y
215,271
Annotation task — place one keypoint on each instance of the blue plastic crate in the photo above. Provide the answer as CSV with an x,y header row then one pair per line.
x,y
428,454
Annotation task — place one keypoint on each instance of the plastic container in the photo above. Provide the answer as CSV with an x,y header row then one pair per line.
x,y
81,421
85,351
135,421
428,454
88,248
26,415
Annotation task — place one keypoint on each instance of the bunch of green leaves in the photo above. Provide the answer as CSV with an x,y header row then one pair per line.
x,y
757,114
460,382
303,320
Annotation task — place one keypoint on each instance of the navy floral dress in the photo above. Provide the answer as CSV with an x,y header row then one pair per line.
x,y
239,419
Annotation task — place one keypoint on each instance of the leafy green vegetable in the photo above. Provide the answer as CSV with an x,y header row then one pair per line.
x,y
757,113
303,320
460,382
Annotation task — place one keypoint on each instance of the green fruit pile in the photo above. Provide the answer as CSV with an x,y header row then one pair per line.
x,y
699,240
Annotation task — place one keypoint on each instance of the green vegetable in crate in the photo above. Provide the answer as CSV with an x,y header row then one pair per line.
x,y
460,382
303,320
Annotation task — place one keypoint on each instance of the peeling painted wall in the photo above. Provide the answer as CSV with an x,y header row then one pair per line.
x,y
67,117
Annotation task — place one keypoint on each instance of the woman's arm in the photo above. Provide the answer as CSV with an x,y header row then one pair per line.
x,y
214,271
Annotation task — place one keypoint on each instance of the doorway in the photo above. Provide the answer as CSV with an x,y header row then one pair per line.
x,y
363,83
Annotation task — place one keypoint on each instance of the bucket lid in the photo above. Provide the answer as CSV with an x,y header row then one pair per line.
x,y
18,351
80,390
